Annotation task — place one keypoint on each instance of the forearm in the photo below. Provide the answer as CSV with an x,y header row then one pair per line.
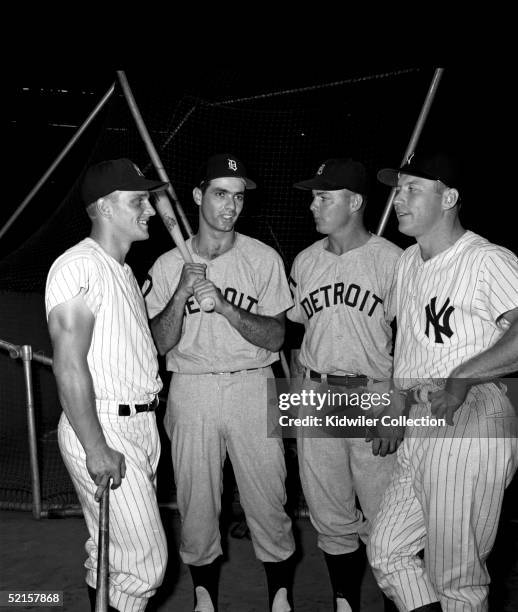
x,y
265,332
166,327
498,360
76,393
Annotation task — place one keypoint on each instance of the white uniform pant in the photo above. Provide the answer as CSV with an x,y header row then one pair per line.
x,y
208,415
446,497
333,471
138,549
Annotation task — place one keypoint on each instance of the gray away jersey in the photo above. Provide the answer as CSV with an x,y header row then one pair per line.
x,y
343,302
251,276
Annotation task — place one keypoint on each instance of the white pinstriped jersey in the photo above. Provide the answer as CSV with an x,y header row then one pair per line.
x,y
343,302
449,307
122,356
251,276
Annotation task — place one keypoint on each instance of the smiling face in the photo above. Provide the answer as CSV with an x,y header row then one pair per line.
x,y
420,205
131,212
221,203
332,210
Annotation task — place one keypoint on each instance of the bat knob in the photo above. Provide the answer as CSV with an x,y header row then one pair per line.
x,y
207,304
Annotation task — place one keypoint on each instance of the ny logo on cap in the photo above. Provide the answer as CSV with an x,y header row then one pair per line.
x,y
232,164
321,169
409,158
139,172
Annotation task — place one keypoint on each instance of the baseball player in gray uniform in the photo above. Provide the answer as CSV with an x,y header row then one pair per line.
x,y
341,286
106,370
218,395
457,314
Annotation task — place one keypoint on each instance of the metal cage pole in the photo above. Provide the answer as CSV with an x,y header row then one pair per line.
x,y
153,153
26,356
57,161
432,90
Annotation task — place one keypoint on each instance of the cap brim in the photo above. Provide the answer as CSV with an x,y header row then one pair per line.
x,y
315,183
388,176
144,185
249,184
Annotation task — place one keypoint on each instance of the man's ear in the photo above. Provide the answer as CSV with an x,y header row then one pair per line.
x,y
104,208
356,202
197,195
450,197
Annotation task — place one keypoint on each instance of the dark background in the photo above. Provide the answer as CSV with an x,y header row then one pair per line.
x,y
469,117
46,107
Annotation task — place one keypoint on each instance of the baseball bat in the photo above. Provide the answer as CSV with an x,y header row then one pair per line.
x,y
165,210
102,600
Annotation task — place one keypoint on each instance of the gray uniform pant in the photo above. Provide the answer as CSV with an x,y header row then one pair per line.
x,y
333,471
208,415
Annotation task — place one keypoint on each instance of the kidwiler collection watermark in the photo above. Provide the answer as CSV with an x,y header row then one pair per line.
x,y
392,408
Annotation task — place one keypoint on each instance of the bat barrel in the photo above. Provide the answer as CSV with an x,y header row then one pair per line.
x,y
102,600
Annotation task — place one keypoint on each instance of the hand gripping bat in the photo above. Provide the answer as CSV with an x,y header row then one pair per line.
x,y
165,210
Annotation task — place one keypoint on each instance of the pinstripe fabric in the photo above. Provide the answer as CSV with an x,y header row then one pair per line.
x,y
124,368
122,356
478,279
446,494
138,552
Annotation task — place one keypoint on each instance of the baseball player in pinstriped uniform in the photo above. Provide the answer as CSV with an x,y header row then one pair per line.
x,y
341,286
106,370
218,395
457,314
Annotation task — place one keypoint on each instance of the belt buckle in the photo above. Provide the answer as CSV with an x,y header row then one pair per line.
x,y
344,380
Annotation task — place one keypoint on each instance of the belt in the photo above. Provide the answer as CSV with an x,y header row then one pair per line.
x,y
341,381
238,371
125,409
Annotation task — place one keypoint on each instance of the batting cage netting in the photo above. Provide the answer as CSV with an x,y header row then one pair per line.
x,y
281,136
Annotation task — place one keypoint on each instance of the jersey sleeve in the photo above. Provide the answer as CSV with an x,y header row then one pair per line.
x,y
68,277
159,287
498,285
295,313
274,294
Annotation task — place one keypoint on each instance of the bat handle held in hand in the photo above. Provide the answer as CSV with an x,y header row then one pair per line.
x,y
102,599
207,304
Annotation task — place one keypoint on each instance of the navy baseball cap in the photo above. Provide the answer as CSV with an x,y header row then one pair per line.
x,y
115,175
223,165
432,166
338,173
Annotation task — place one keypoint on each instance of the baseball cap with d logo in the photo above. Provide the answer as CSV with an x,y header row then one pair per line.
x,y
223,165
338,173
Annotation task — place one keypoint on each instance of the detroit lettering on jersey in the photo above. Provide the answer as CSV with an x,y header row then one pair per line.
x,y
352,296
234,296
